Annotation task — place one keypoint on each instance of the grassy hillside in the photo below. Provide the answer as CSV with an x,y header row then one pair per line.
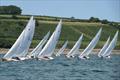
x,y
11,28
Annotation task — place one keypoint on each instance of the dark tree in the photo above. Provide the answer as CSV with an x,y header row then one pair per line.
x,y
10,10
104,21
72,18
93,19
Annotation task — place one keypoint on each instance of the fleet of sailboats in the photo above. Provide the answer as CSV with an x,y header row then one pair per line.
x,y
45,49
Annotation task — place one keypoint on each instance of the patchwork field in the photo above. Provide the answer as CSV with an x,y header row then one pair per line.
x,y
10,29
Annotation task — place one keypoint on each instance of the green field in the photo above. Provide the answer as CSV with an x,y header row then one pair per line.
x,y
11,28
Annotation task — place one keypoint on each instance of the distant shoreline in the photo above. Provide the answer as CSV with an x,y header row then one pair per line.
x,y
4,50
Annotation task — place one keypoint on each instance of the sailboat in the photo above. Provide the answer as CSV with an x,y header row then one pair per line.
x,y
104,47
111,46
22,44
90,47
75,48
49,48
62,49
39,47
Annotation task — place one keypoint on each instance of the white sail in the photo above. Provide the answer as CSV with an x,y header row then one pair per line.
x,y
27,40
13,49
22,43
62,49
51,44
104,48
39,47
92,44
75,48
111,45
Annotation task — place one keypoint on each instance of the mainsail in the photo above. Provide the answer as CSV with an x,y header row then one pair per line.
x,y
21,46
39,47
111,45
92,44
62,49
104,48
51,44
75,48
27,40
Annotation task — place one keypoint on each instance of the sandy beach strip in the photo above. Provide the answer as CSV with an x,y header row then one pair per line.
x,y
4,50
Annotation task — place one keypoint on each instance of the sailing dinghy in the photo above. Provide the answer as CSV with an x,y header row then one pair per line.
x,y
49,48
62,49
90,47
104,47
39,47
20,48
75,49
111,46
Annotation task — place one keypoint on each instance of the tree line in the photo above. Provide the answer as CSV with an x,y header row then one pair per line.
x,y
11,9
15,10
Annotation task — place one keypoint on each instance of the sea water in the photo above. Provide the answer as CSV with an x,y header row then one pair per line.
x,y
62,68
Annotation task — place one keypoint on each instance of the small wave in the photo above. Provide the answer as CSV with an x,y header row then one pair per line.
x,y
64,64
98,71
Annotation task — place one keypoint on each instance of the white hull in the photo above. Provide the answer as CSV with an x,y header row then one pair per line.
x,y
45,58
84,57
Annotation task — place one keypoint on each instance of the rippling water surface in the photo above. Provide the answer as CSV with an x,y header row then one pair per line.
x,y
62,68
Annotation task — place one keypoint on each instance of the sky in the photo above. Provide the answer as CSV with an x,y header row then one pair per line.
x,y
82,9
